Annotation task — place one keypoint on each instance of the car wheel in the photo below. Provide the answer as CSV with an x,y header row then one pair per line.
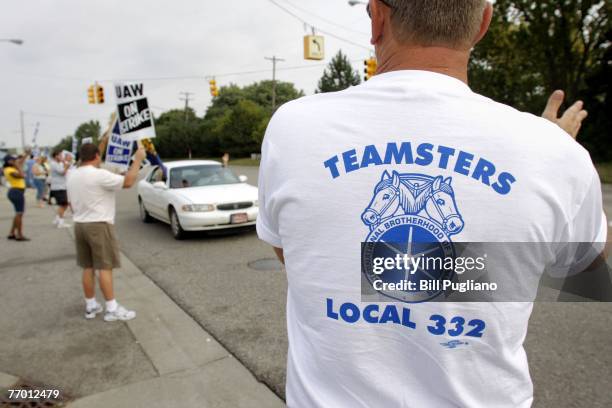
x,y
144,214
175,225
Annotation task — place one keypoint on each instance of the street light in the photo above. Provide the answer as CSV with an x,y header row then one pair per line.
x,y
356,2
12,40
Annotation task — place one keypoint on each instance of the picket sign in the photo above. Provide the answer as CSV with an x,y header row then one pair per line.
x,y
134,116
118,150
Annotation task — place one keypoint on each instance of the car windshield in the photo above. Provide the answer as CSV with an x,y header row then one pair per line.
x,y
200,176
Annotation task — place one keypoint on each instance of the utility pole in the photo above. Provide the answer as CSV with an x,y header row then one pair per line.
x,y
274,60
23,144
187,99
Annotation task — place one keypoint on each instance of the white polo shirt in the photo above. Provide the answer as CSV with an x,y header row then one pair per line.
x,y
514,177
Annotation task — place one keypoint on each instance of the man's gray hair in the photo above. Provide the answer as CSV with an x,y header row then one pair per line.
x,y
447,23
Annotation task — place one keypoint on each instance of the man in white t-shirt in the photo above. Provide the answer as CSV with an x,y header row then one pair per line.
x,y
59,169
414,156
92,195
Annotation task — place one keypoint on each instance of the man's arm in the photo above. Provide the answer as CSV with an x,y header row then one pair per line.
x,y
279,254
132,175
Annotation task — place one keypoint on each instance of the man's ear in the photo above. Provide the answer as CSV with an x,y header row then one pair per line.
x,y
378,21
487,16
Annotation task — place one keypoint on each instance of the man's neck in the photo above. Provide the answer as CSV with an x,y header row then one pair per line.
x,y
441,60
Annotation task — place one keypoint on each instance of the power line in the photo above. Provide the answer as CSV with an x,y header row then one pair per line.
x,y
49,115
301,20
325,19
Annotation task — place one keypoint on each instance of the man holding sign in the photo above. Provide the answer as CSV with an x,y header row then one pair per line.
x,y
92,194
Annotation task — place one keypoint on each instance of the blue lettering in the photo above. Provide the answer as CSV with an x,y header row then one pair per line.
x,y
331,164
330,310
445,154
504,183
350,161
425,154
353,316
406,319
367,314
464,160
390,314
371,156
484,171
403,155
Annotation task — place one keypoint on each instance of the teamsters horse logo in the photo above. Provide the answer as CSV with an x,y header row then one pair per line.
x,y
411,215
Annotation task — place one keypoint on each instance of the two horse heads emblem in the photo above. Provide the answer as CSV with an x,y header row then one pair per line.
x,y
414,194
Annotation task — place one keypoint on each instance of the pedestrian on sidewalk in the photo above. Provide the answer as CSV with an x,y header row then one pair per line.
x,y
15,177
59,168
39,173
92,193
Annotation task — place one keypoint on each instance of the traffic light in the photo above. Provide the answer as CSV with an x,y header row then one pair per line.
x,y
370,68
99,94
91,95
213,87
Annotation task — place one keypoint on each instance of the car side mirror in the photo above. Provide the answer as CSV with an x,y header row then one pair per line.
x,y
243,178
160,185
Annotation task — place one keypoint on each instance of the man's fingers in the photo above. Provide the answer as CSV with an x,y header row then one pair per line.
x,y
552,107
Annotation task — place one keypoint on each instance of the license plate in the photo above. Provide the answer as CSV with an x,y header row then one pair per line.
x,y
239,218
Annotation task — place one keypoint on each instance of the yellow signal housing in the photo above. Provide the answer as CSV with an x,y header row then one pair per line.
x,y
91,95
214,91
99,94
371,65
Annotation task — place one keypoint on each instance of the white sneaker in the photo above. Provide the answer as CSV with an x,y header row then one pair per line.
x,y
63,225
121,313
91,313
56,220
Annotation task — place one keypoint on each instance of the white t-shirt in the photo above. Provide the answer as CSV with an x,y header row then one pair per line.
x,y
515,178
91,192
58,176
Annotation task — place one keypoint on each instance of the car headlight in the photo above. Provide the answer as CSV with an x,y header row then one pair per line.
x,y
198,208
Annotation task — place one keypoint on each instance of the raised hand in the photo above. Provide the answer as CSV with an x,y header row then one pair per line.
x,y
572,118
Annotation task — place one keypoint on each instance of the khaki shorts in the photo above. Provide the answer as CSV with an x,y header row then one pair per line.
x,y
96,245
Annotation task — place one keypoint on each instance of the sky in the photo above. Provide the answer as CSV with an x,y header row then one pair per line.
x,y
70,44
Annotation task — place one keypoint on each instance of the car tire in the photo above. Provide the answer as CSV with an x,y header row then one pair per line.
x,y
175,225
144,214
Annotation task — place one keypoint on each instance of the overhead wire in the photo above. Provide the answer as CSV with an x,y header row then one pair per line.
x,y
300,19
330,22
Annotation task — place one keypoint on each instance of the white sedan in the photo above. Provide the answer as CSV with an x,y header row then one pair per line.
x,y
197,195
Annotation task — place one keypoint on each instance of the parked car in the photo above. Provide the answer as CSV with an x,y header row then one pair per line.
x,y
197,195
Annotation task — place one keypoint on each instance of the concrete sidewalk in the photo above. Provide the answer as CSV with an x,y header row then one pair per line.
x,y
163,358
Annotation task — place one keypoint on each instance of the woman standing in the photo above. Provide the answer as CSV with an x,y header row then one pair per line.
x,y
39,173
15,177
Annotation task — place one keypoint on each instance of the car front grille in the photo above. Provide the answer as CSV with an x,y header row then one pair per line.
x,y
235,206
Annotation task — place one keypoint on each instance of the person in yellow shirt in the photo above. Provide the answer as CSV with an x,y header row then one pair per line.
x,y
14,175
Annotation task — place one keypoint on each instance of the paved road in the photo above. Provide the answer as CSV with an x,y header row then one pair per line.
x,y
569,345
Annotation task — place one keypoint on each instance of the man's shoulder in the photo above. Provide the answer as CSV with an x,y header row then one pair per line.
x,y
316,103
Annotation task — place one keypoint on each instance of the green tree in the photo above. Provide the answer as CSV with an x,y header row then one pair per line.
x,y
261,93
240,130
64,144
237,119
88,129
338,75
178,134
534,48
